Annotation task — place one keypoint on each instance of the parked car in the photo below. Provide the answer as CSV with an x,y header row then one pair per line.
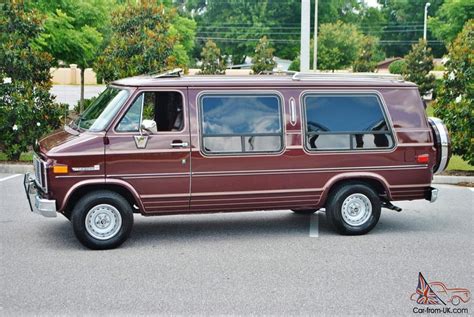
x,y
172,144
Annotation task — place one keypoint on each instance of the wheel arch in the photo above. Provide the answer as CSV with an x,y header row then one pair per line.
x,y
377,182
118,186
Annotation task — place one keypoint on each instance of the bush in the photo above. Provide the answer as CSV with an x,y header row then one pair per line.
x,y
87,103
212,61
455,101
397,67
263,58
419,64
367,59
27,110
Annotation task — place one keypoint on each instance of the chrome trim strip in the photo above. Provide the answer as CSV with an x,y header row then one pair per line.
x,y
444,144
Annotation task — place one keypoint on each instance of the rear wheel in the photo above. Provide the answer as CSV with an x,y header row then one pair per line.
x,y
353,208
102,220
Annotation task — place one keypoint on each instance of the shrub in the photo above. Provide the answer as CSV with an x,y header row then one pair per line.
x,y
27,110
455,101
397,67
367,59
263,58
87,103
419,64
212,61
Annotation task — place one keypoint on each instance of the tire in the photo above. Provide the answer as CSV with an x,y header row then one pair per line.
x,y
353,208
304,211
102,220
456,300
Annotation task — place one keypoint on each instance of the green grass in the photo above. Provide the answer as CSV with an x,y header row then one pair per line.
x,y
25,157
456,163
430,110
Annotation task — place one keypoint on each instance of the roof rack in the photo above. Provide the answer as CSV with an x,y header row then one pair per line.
x,y
169,73
303,76
277,72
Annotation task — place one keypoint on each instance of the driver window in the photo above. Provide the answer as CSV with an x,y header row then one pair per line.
x,y
160,111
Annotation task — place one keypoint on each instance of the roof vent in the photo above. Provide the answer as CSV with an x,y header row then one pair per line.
x,y
177,72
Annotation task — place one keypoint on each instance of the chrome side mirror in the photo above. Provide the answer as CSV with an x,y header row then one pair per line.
x,y
149,126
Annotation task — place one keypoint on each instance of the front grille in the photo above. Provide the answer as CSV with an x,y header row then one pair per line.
x,y
40,173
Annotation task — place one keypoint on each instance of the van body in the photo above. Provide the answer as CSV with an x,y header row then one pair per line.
x,y
171,144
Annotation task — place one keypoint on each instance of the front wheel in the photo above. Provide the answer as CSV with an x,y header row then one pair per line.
x,y
102,220
353,209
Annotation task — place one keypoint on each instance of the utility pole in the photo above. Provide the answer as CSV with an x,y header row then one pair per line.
x,y
315,49
305,35
426,18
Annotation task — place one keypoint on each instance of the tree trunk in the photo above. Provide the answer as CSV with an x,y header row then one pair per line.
x,y
82,89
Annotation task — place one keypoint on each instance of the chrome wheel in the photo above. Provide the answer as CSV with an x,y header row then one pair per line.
x,y
103,222
356,210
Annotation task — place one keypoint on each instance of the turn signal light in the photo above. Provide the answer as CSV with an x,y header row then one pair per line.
x,y
423,158
60,169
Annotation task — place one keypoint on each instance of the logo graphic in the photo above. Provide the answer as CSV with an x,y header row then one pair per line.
x,y
141,141
437,293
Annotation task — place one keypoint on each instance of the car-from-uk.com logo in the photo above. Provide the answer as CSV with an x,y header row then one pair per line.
x,y
437,298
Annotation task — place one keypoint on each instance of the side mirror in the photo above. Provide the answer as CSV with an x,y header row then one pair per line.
x,y
149,125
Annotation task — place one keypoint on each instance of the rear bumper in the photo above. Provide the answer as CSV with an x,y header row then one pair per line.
x,y
432,194
39,205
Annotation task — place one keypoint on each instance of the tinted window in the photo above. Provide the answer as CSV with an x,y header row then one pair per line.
x,y
345,122
241,123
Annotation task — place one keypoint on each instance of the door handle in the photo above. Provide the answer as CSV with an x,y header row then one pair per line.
x,y
179,144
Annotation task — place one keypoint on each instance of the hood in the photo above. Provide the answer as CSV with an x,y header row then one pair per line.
x,y
55,139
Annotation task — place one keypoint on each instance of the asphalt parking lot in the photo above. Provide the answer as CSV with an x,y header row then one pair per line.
x,y
271,262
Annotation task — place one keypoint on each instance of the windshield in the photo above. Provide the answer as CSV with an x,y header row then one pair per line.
x,y
102,110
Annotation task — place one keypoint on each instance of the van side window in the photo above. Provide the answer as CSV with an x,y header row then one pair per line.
x,y
159,110
345,122
241,123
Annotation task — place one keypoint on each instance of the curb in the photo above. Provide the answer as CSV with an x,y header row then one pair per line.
x,y
438,179
445,179
16,168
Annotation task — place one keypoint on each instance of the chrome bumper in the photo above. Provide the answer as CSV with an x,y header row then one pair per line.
x,y
44,207
432,194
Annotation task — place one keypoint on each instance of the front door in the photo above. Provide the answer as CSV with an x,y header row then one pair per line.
x,y
148,147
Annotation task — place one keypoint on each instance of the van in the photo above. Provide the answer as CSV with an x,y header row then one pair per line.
x,y
171,144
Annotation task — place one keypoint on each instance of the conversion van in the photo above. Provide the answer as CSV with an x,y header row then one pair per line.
x,y
172,144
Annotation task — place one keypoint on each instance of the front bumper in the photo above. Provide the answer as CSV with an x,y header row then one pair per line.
x,y
39,205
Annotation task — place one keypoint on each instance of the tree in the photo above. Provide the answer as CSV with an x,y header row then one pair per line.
x,y
405,25
338,45
368,55
450,18
263,58
70,43
143,41
212,61
419,63
26,106
455,101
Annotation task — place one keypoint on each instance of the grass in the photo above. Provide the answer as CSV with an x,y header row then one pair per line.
x,y
456,163
25,157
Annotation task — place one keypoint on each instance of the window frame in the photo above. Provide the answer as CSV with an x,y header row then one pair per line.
x,y
281,117
382,106
133,97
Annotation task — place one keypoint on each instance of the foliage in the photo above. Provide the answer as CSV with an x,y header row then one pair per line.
x,y
86,104
456,95
450,18
237,25
338,45
263,58
143,41
368,55
26,106
419,63
397,67
212,61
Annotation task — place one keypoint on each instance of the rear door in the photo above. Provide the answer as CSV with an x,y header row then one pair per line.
x,y
155,161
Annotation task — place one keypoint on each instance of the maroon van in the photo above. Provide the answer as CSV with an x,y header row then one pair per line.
x,y
172,144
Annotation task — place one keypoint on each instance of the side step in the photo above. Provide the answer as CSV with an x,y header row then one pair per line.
x,y
388,205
